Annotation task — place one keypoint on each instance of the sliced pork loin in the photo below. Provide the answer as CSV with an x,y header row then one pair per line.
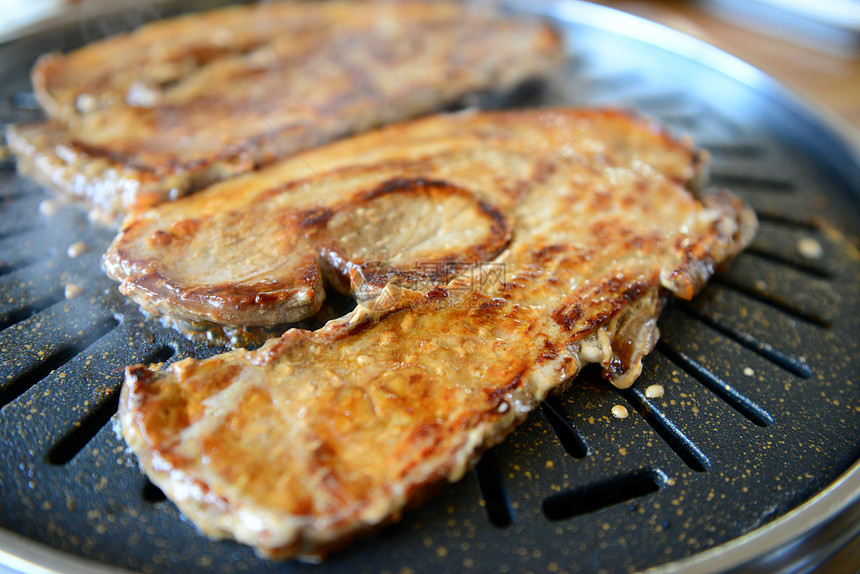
x,y
317,437
238,260
141,118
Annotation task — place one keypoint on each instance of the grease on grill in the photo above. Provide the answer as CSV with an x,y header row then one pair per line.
x,y
810,248
72,290
49,207
620,412
77,249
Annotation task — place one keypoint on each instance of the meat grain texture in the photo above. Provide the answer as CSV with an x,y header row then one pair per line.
x,y
317,437
150,116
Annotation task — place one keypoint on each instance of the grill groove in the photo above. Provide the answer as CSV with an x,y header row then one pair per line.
x,y
493,491
685,448
571,439
773,300
765,350
751,183
84,430
62,355
595,497
719,387
816,270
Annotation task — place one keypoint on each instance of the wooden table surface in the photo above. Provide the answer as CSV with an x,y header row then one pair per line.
x,y
826,80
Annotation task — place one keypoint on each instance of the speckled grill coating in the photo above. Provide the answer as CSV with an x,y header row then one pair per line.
x,y
149,116
320,436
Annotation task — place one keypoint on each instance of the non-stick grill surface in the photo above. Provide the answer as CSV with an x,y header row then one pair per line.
x,y
761,408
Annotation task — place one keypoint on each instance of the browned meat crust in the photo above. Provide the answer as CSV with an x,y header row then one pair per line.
x,y
317,437
141,118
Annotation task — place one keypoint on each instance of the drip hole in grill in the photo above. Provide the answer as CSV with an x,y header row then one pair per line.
x,y
151,493
28,379
818,271
493,490
765,350
719,387
603,494
749,183
774,301
685,448
83,432
24,313
571,439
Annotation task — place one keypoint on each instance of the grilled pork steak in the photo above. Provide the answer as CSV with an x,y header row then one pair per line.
x,y
145,117
317,437
241,258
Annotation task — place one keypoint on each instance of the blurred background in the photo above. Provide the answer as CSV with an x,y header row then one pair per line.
x,y
813,47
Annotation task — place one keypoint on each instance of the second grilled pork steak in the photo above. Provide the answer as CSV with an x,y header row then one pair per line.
x,y
149,116
241,258
317,437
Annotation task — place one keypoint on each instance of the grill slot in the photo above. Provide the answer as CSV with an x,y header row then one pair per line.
x,y
789,220
685,448
601,495
70,444
151,493
734,150
493,491
817,271
13,232
55,358
766,350
751,183
25,101
718,386
18,314
571,439
760,294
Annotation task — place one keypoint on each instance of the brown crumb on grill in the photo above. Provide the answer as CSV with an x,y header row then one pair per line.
x,y
620,412
77,249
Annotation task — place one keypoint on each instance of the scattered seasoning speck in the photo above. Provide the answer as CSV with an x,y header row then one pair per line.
x,y
76,249
49,207
654,391
72,291
748,371
620,412
810,248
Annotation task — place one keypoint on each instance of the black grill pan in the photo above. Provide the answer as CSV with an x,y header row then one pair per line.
x,y
749,460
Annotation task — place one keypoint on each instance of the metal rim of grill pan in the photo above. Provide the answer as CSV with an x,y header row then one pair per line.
x,y
793,537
